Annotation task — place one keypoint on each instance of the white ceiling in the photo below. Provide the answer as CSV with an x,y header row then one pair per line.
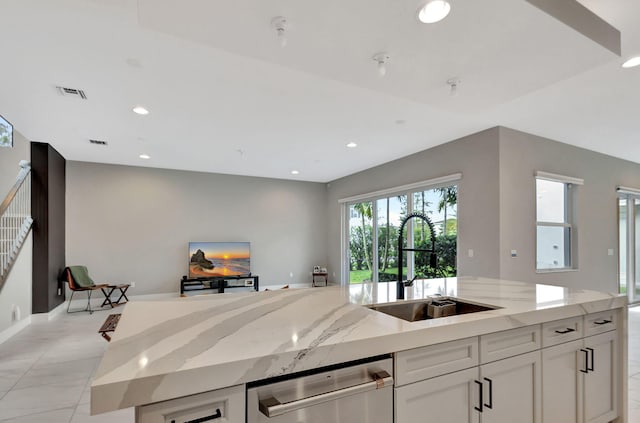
x,y
217,82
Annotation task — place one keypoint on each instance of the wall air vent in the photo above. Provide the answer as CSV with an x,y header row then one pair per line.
x,y
72,92
98,142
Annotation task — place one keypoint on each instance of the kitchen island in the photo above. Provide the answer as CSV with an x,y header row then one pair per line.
x,y
175,348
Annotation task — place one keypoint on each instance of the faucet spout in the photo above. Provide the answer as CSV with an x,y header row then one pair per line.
x,y
432,258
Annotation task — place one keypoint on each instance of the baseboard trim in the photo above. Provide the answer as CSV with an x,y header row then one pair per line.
x,y
14,329
96,301
46,317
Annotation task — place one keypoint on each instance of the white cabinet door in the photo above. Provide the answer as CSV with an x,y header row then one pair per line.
x,y
512,389
562,377
444,399
600,384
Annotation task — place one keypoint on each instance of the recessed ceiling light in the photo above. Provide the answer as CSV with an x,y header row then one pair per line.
x,y
434,11
631,63
294,172
140,110
352,145
144,156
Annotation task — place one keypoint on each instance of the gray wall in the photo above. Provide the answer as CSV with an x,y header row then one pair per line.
x,y
476,156
17,289
134,224
521,155
496,212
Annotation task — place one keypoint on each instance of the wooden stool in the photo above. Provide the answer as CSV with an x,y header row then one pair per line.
x,y
109,325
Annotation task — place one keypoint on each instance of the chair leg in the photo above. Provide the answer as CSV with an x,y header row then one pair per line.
x,y
82,310
70,299
89,303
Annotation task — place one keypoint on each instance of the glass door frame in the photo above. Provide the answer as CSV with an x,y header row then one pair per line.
x,y
629,196
374,254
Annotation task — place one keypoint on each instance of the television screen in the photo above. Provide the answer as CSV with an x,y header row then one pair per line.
x,y
6,133
208,259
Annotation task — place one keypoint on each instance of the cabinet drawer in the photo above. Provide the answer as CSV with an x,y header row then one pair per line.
x,y
223,405
603,321
559,331
435,360
499,345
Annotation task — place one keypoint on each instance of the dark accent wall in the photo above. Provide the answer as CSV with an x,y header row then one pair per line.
x,y
48,210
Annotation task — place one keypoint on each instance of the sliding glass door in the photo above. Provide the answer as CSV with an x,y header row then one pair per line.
x,y
372,231
629,235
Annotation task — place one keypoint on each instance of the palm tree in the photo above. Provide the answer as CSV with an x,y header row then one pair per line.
x,y
385,256
449,198
366,211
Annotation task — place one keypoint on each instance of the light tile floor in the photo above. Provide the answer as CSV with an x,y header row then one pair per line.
x,y
46,371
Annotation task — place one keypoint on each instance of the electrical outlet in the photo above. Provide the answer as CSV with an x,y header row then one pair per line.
x,y
248,282
15,313
59,291
514,253
133,284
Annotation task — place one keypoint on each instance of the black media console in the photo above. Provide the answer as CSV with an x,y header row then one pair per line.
x,y
219,283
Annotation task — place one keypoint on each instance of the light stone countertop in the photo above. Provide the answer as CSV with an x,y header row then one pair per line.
x,y
171,348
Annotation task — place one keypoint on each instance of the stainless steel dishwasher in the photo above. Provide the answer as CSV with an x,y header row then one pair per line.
x,y
358,393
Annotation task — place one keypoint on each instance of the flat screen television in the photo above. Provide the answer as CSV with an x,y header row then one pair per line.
x,y
211,259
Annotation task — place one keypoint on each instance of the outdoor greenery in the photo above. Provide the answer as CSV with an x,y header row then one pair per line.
x,y
361,241
5,135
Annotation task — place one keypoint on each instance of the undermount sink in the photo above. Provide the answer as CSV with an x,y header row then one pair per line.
x,y
432,308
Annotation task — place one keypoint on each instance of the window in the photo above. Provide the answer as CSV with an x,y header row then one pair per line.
x,y
372,228
555,232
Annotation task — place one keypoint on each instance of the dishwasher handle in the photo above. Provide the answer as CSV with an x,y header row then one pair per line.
x,y
271,407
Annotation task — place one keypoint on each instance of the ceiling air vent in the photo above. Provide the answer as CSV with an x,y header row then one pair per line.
x,y
72,92
98,142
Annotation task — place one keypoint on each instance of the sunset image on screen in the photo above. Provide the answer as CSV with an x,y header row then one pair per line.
x,y
209,259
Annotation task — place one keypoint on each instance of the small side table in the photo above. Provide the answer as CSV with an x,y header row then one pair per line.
x,y
123,294
315,275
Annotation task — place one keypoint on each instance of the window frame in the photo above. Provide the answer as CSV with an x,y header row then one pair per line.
x,y
571,237
373,197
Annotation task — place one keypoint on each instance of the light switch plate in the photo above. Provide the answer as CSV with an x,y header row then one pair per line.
x,y
610,251
470,253
514,253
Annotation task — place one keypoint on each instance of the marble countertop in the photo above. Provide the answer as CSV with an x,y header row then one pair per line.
x,y
170,348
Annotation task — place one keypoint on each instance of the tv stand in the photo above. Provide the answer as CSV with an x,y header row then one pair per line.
x,y
218,283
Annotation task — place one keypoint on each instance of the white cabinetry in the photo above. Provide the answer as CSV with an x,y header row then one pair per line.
x,y
600,384
564,371
511,389
223,405
580,377
562,387
444,399
506,389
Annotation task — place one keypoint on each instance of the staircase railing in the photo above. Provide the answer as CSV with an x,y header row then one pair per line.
x,y
15,220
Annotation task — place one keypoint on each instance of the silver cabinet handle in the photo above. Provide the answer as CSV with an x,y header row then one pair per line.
x,y
271,407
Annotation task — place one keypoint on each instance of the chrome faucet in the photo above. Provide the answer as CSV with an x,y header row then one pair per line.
x,y
432,257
